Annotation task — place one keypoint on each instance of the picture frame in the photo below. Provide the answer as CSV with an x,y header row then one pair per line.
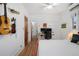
x,y
63,25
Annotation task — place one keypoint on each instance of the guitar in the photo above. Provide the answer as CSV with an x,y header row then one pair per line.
x,y
13,25
4,23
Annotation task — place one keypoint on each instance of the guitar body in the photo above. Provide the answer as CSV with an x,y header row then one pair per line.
x,y
4,28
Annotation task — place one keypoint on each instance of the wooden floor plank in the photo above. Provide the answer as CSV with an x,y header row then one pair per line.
x,y
31,49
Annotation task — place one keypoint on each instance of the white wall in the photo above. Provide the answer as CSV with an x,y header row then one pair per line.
x,y
12,44
67,18
55,20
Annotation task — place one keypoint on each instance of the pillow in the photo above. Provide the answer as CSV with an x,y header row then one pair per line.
x,y
75,38
69,36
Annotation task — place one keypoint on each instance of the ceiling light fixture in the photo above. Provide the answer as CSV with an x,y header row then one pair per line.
x,y
50,5
55,4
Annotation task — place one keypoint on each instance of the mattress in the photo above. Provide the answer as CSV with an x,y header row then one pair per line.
x,y
57,48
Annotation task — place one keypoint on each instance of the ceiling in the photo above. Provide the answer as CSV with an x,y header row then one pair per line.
x,y
39,8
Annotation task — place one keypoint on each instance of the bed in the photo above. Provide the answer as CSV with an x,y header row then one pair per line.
x,y
57,48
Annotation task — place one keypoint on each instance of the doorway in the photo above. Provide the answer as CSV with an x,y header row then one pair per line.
x,y
25,30
31,31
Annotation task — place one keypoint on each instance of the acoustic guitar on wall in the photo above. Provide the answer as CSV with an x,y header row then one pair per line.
x,y
4,22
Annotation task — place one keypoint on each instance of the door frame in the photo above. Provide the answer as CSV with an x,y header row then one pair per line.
x,y
25,30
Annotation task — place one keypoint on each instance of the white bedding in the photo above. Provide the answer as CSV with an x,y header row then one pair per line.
x,y
58,48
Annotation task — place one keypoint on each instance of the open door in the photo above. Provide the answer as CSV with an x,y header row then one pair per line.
x,y
25,30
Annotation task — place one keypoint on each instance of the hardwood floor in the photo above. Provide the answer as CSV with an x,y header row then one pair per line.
x,y
31,49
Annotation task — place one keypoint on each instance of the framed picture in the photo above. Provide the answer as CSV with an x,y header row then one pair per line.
x,y
63,25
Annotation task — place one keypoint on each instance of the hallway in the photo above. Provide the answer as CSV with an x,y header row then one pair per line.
x,y
31,49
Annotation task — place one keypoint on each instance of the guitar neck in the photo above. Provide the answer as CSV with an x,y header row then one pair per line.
x,y
0,21
5,13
